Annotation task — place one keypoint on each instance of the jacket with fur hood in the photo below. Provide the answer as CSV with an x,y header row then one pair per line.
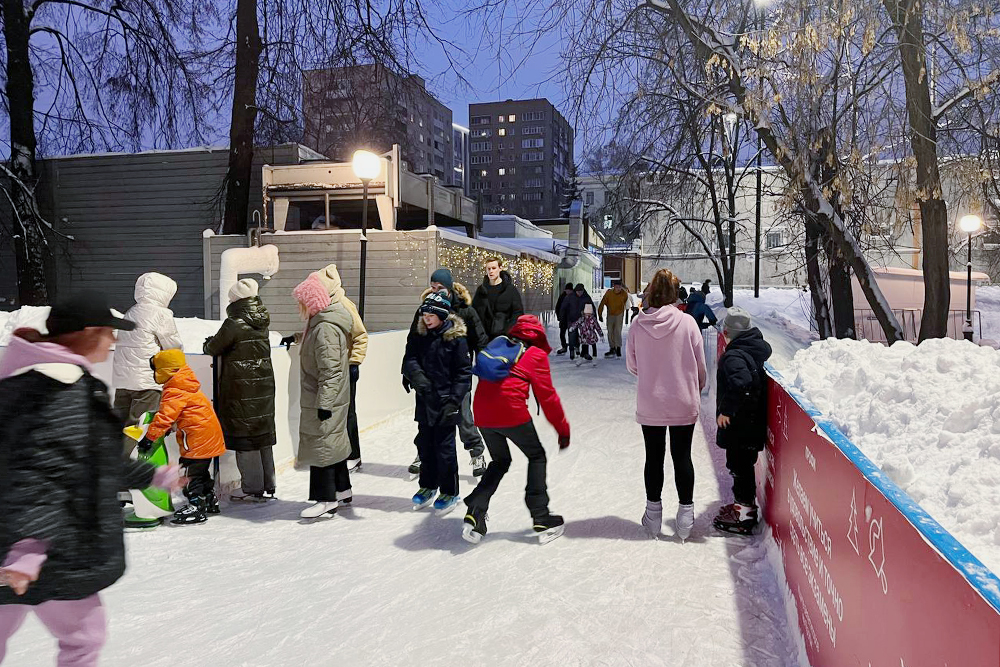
x,y
461,305
666,352
155,330
437,365
330,278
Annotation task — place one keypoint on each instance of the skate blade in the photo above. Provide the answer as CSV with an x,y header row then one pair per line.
x,y
420,506
446,510
470,535
547,536
316,519
733,530
410,476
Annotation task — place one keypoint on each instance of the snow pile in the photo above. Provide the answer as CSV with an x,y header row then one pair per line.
x,y
783,315
27,316
928,416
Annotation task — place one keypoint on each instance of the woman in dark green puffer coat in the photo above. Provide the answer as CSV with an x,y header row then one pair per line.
x,y
246,389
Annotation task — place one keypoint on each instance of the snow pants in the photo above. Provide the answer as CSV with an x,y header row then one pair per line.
x,y
352,417
563,326
525,437
615,330
438,461
257,470
680,454
325,481
79,626
130,405
200,482
467,431
740,462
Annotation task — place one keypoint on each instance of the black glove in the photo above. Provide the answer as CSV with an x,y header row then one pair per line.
x,y
406,384
323,414
145,445
563,441
287,341
355,371
450,414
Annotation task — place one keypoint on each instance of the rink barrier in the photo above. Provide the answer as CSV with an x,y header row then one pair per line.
x,y
875,579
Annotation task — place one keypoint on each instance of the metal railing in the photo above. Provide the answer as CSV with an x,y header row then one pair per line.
x,y
868,328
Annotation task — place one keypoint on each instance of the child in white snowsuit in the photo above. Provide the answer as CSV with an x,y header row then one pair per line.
x,y
589,331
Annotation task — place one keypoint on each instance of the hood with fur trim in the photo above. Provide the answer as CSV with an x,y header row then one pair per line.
x,y
451,328
458,290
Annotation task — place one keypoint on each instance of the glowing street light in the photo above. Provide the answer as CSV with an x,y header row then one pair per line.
x,y
970,224
366,166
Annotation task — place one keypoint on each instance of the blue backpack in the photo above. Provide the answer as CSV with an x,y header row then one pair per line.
x,y
496,360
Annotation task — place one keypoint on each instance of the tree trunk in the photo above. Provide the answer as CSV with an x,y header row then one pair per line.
x,y
908,18
29,241
817,286
241,128
841,292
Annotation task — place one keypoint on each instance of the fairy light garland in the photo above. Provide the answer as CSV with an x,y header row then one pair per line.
x,y
467,264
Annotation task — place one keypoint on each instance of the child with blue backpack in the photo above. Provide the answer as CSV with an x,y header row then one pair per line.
x,y
436,364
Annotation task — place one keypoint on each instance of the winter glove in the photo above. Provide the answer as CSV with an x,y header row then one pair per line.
x,y
323,414
355,371
563,441
287,341
450,414
406,384
145,445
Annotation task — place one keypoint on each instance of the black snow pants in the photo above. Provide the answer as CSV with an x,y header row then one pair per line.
x,y
740,462
525,437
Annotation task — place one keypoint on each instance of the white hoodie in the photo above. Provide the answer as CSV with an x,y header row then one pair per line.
x,y
155,330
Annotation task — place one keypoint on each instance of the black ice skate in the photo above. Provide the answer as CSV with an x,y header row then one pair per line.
x,y
212,503
414,469
562,350
610,353
737,519
474,526
193,514
548,528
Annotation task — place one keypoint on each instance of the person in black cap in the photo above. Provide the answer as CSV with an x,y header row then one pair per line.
x,y
61,464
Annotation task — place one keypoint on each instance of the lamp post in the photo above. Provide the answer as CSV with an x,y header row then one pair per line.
x,y
366,166
969,224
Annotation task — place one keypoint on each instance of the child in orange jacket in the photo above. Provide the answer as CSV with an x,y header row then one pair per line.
x,y
199,435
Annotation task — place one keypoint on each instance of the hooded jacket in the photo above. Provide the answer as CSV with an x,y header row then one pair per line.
x,y
498,314
572,307
330,278
741,386
437,365
504,404
155,330
665,351
246,379
699,310
61,468
185,408
461,305
324,358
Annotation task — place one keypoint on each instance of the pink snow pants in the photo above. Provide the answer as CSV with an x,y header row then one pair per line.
x,y
79,625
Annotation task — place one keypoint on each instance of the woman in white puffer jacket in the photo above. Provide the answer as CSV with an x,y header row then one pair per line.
x,y
136,390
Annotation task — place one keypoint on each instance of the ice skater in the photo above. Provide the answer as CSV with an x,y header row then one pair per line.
x,y
741,416
665,351
501,410
616,300
570,311
588,331
437,365
61,464
560,316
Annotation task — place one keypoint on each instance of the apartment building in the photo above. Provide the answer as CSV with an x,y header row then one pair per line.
x,y
460,148
520,153
370,107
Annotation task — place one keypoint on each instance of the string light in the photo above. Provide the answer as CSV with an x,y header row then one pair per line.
x,y
468,266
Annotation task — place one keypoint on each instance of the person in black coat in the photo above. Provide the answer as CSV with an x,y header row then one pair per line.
x,y
741,415
699,310
563,324
572,310
437,365
245,403
497,300
61,469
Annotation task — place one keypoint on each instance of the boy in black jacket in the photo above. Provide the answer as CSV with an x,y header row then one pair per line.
x,y
741,415
437,365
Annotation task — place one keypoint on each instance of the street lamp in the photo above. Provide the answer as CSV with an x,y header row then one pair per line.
x,y
366,166
969,224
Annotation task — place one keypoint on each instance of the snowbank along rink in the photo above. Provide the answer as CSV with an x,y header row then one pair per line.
x,y
380,584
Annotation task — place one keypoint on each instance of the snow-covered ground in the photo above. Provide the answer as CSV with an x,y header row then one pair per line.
x,y
928,415
380,584
782,315
988,305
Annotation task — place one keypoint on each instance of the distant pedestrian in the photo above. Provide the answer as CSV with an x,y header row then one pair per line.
x,y
563,324
616,301
497,300
571,311
706,287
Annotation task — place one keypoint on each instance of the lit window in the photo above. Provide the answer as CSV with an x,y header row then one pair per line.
x,y
501,171
500,118
502,132
511,118
485,172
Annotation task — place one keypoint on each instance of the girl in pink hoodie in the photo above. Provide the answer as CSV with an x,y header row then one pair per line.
x,y
666,353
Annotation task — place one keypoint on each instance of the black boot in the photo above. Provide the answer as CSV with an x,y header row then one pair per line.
x,y
618,352
212,503
192,514
610,353
548,527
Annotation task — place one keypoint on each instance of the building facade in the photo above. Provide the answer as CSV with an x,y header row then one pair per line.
x,y
460,158
520,153
370,107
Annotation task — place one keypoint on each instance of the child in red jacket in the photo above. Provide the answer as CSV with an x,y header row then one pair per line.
x,y
501,412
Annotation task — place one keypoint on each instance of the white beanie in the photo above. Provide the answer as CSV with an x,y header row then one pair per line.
x,y
588,309
243,289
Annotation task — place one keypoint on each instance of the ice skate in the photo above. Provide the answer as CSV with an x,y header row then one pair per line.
x,y
423,497
609,354
212,503
652,518
445,504
618,352
685,521
319,509
474,525
193,514
354,465
737,519
345,497
478,466
414,469
562,350
548,528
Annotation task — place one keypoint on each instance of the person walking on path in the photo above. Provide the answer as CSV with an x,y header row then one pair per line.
x,y
563,324
325,397
330,278
497,300
476,339
571,311
136,393
245,403
501,410
437,365
61,463
665,352
741,416
616,300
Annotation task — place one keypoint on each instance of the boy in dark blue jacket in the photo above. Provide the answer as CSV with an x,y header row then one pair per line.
x,y
437,365
699,310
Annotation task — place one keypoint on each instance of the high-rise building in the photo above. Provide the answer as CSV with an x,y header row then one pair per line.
x,y
370,107
520,152
460,146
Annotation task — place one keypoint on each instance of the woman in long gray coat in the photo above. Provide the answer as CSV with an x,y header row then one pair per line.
x,y
324,398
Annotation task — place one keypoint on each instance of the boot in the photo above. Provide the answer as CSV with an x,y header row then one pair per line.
x,y
618,352
212,503
652,519
548,527
319,509
562,350
192,514
474,525
737,518
610,353
685,521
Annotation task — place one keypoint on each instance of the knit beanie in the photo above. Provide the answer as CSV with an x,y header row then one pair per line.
x,y
244,289
738,321
443,276
437,303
